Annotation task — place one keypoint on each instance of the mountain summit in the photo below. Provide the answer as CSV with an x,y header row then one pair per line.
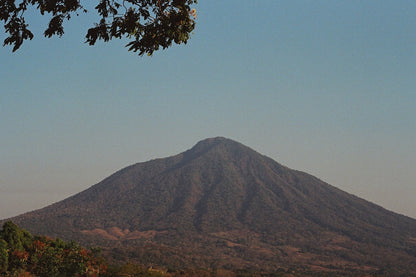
x,y
223,205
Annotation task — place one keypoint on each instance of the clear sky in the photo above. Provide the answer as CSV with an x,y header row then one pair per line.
x,y
326,87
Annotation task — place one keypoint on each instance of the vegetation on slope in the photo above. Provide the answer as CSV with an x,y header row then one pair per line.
x,y
24,255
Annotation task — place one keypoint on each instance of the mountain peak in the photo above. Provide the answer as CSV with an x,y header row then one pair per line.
x,y
209,142
221,144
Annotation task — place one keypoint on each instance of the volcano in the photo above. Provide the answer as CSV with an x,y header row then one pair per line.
x,y
223,205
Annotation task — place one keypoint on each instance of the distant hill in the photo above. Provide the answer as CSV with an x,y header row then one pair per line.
x,y
223,205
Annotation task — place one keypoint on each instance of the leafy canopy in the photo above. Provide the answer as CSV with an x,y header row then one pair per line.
x,y
22,254
149,24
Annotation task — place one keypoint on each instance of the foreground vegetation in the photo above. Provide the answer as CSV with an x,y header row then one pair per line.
x,y
25,255
22,254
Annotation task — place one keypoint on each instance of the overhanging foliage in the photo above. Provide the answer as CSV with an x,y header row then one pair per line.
x,y
149,24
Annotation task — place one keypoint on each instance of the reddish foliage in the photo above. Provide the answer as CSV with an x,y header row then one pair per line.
x,y
83,252
20,255
38,245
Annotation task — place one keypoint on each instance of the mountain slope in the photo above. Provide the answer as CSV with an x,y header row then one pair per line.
x,y
221,204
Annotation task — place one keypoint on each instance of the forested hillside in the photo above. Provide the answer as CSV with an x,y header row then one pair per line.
x,y
223,205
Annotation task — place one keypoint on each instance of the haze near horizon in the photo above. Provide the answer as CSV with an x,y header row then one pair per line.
x,y
319,86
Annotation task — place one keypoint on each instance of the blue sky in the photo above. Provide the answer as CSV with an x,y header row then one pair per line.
x,y
326,87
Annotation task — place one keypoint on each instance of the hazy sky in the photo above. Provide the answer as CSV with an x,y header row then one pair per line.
x,y
326,87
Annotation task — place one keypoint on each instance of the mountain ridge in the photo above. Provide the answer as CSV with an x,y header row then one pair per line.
x,y
223,197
